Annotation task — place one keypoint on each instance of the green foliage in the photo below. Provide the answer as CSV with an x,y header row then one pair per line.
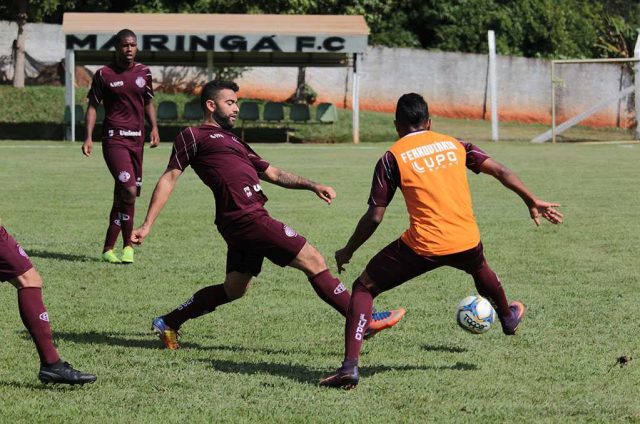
x,y
259,359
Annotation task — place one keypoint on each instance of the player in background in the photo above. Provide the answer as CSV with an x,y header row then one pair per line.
x,y
232,170
430,170
126,91
16,268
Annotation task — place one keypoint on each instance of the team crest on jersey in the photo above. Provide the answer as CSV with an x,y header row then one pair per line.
x,y
124,176
22,252
140,82
290,232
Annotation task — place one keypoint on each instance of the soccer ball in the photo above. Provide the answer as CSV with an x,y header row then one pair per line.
x,y
475,314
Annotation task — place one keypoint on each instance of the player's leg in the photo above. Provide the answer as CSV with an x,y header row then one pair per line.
x,y
129,191
121,165
326,286
391,267
241,267
488,285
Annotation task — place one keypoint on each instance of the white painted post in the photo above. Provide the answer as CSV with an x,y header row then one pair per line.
x,y
493,86
70,93
636,54
355,103
209,65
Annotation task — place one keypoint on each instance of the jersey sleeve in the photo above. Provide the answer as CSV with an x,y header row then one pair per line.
x,y
258,162
185,147
475,156
386,179
96,92
148,89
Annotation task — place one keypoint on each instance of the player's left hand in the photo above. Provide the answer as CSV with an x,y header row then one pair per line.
x,y
343,256
326,193
155,138
545,210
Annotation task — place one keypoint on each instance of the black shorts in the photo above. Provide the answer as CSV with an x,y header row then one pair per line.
x,y
264,237
13,259
397,263
124,163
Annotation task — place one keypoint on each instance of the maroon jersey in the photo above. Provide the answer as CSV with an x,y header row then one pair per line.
x,y
228,166
386,176
125,92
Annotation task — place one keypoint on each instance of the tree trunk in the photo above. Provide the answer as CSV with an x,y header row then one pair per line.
x,y
302,80
19,64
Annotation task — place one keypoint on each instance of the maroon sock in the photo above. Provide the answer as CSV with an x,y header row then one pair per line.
x,y
358,319
488,285
126,222
36,320
113,231
204,301
331,290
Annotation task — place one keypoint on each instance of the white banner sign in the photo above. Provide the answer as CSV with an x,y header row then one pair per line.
x,y
226,43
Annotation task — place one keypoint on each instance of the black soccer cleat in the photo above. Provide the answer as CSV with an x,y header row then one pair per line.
x,y
342,379
63,373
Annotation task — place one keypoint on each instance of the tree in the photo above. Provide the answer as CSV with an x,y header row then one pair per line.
x,y
22,10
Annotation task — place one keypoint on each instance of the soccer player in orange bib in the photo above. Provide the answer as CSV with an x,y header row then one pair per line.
x,y
430,170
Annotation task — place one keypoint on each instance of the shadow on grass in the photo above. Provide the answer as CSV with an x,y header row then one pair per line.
x,y
134,340
61,256
307,376
41,386
443,348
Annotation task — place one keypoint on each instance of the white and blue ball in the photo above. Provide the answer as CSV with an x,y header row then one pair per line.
x,y
475,314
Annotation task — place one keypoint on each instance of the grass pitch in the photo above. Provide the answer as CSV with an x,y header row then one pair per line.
x,y
259,359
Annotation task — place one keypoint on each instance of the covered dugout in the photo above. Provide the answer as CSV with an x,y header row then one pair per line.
x,y
224,40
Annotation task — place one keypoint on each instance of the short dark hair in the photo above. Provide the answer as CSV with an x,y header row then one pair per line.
x,y
412,109
124,33
212,88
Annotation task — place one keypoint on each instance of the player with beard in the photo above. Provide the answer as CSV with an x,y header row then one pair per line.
x,y
16,268
232,170
126,91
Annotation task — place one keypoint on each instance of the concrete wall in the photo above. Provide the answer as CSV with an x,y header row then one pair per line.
x,y
454,84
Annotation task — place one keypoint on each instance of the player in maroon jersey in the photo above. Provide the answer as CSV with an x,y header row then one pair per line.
x,y
16,268
126,91
232,170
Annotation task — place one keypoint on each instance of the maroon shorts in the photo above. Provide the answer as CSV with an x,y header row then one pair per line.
x,y
13,259
397,263
124,162
263,238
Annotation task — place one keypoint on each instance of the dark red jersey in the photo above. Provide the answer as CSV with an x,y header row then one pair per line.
x,y
125,92
228,166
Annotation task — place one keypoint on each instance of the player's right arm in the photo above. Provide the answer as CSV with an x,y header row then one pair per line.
x,y
537,208
161,194
90,123
386,179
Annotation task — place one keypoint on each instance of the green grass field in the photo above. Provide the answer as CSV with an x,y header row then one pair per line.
x,y
259,359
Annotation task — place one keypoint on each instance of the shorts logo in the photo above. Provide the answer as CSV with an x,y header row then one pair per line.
x,y
44,317
247,191
22,252
124,176
339,289
290,232
140,82
111,132
139,182
121,217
